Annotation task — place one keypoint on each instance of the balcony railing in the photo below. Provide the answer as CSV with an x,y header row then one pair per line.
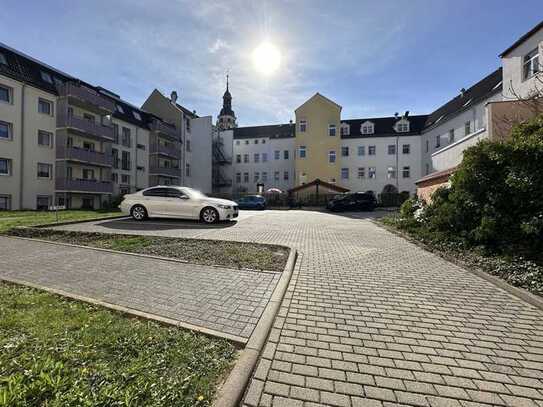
x,y
172,172
83,185
165,150
168,130
86,97
86,127
86,156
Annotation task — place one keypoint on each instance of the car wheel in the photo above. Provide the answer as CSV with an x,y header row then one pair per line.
x,y
209,215
138,212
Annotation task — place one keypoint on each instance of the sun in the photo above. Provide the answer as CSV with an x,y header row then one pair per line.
x,y
266,58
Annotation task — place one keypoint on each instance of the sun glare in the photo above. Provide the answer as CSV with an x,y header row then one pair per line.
x,y
266,58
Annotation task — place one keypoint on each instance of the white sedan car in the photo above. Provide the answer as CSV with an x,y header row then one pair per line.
x,y
177,202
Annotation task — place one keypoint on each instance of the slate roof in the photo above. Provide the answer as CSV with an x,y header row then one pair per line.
x,y
384,126
272,131
522,39
24,68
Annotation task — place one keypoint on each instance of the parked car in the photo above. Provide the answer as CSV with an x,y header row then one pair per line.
x,y
252,202
356,201
177,202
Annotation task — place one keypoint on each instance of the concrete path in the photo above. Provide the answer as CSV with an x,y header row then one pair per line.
x,y
224,300
372,320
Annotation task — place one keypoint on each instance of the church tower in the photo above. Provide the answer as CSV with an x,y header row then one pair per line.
x,y
227,117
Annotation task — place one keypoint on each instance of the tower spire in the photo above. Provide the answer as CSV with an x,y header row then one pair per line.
x,y
227,81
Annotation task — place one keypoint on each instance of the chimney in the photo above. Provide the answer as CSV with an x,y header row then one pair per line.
x,y
406,113
173,96
462,92
396,115
290,121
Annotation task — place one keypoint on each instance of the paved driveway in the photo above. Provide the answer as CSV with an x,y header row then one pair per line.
x,y
370,319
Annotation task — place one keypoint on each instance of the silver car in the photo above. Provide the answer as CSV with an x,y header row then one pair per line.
x,y
177,202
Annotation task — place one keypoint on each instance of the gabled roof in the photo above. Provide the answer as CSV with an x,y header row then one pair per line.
x,y
384,126
317,182
272,131
485,88
522,39
319,96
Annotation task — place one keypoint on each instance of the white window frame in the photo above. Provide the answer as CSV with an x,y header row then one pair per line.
x,y
238,177
345,173
391,172
9,167
345,129
7,199
361,149
406,170
402,126
48,133
332,157
530,64
370,148
303,126
391,147
367,128
256,157
372,172
302,152
345,151
10,94
51,106
49,170
10,131
361,174
406,147
332,130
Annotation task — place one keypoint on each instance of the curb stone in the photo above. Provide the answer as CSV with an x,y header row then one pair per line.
x,y
232,390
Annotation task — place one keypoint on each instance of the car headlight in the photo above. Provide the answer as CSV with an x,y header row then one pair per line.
x,y
224,206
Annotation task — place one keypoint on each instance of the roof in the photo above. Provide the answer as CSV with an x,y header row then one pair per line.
x,y
272,131
321,96
436,175
522,39
384,126
24,68
486,87
317,182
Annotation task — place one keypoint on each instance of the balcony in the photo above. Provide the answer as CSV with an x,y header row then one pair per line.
x,y
84,185
86,98
85,127
84,156
165,129
170,172
169,151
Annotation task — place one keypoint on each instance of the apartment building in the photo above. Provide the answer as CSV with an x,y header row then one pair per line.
x,y
64,141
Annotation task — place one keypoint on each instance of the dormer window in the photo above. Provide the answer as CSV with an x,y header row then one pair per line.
x,y
46,77
531,64
3,59
402,126
120,109
345,129
137,116
367,128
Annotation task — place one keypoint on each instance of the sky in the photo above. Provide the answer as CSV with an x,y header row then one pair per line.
x,y
374,58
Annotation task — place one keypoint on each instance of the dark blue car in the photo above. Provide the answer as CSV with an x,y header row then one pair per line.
x,y
252,202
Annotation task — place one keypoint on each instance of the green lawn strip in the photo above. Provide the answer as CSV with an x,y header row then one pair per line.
x,y
198,251
11,219
516,270
60,352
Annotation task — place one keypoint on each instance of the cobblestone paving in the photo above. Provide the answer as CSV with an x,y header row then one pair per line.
x,y
370,319
226,300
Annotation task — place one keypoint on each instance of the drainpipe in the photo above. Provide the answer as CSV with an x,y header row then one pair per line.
x,y
21,167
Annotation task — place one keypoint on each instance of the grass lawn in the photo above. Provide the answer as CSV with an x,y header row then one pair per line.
x,y
199,251
60,352
11,219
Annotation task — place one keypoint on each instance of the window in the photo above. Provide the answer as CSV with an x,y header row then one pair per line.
x,y
371,150
361,172
427,145
114,177
6,130
115,154
451,136
238,158
531,64
120,109
89,174
303,126
264,157
140,168
332,130
125,179
361,150
344,173
406,172
237,143
188,146
264,177
391,172
257,157
5,166
238,177
245,158
331,156
467,127
276,175
5,94
344,130
136,115
263,141
45,138
402,127
140,146
45,170
302,152
3,59
277,154
187,125
246,141
5,201
46,77
125,160
366,128
256,141
391,149
187,169
406,148
115,133
371,172
126,138
89,117
256,176
285,154
45,107
42,202
246,177
427,168
438,141
344,151
285,175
